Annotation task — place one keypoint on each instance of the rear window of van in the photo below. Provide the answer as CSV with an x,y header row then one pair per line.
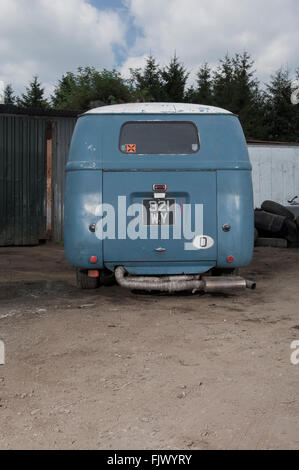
x,y
159,137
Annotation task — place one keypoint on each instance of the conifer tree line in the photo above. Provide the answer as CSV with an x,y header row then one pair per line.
x,y
266,112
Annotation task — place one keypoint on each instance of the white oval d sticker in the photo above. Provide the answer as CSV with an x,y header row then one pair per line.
x,y
203,242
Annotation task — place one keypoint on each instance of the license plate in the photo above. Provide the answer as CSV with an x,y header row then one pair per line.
x,y
159,211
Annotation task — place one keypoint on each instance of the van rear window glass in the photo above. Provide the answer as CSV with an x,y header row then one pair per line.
x,y
159,137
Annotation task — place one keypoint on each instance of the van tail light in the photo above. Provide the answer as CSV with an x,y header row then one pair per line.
x,y
160,188
93,273
93,259
230,259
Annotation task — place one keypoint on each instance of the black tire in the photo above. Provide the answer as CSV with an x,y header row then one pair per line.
x,y
297,222
290,231
256,235
294,209
85,282
265,221
278,209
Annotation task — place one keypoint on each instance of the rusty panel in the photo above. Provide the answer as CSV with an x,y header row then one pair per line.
x,y
22,180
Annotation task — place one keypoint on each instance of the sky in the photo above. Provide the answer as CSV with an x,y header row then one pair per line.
x,y
51,37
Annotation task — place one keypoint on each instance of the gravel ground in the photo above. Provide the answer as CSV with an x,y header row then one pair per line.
x,y
112,369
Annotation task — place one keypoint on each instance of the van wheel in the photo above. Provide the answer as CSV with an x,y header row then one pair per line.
x,y
85,282
278,209
107,278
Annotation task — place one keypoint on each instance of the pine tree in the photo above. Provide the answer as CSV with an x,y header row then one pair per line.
x,y
244,83
202,93
235,88
62,92
34,96
223,86
247,99
9,96
147,83
174,78
282,115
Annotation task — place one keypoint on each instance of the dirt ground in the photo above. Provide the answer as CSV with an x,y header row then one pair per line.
x,y
112,369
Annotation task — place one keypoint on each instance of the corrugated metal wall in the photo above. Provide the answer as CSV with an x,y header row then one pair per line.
x,y
22,180
23,177
62,130
275,172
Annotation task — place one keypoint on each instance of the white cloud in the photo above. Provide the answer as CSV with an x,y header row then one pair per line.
x,y
133,63
204,30
50,37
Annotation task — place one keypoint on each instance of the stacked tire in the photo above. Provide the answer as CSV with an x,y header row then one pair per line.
x,y
274,220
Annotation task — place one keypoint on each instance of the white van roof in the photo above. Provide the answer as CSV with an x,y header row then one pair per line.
x,y
158,108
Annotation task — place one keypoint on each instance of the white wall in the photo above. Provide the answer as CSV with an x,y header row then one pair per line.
x,y
275,172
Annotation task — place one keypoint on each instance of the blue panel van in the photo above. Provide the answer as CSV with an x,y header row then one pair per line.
x,y
159,195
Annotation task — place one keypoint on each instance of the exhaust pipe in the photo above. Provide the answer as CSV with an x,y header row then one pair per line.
x,y
163,283
193,283
250,284
223,283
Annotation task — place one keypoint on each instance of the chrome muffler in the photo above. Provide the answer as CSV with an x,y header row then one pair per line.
x,y
223,283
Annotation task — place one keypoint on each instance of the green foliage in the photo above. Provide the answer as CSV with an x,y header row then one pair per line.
x,y
34,96
9,96
79,91
160,85
174,78
236,88
265,114
63,91
282,115
223,84
202,93
147,83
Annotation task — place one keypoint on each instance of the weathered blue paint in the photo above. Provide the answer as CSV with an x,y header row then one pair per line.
x,y
83,195
164,268
138,186
235,207
218,176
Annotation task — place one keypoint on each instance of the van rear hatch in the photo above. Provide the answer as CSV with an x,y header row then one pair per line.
x,y
142,235
158,212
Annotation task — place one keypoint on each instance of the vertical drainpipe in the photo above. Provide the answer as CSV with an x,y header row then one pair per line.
x,y
49,178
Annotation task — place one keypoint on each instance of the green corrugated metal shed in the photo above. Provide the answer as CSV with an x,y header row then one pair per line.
x,y
24,200
22,180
